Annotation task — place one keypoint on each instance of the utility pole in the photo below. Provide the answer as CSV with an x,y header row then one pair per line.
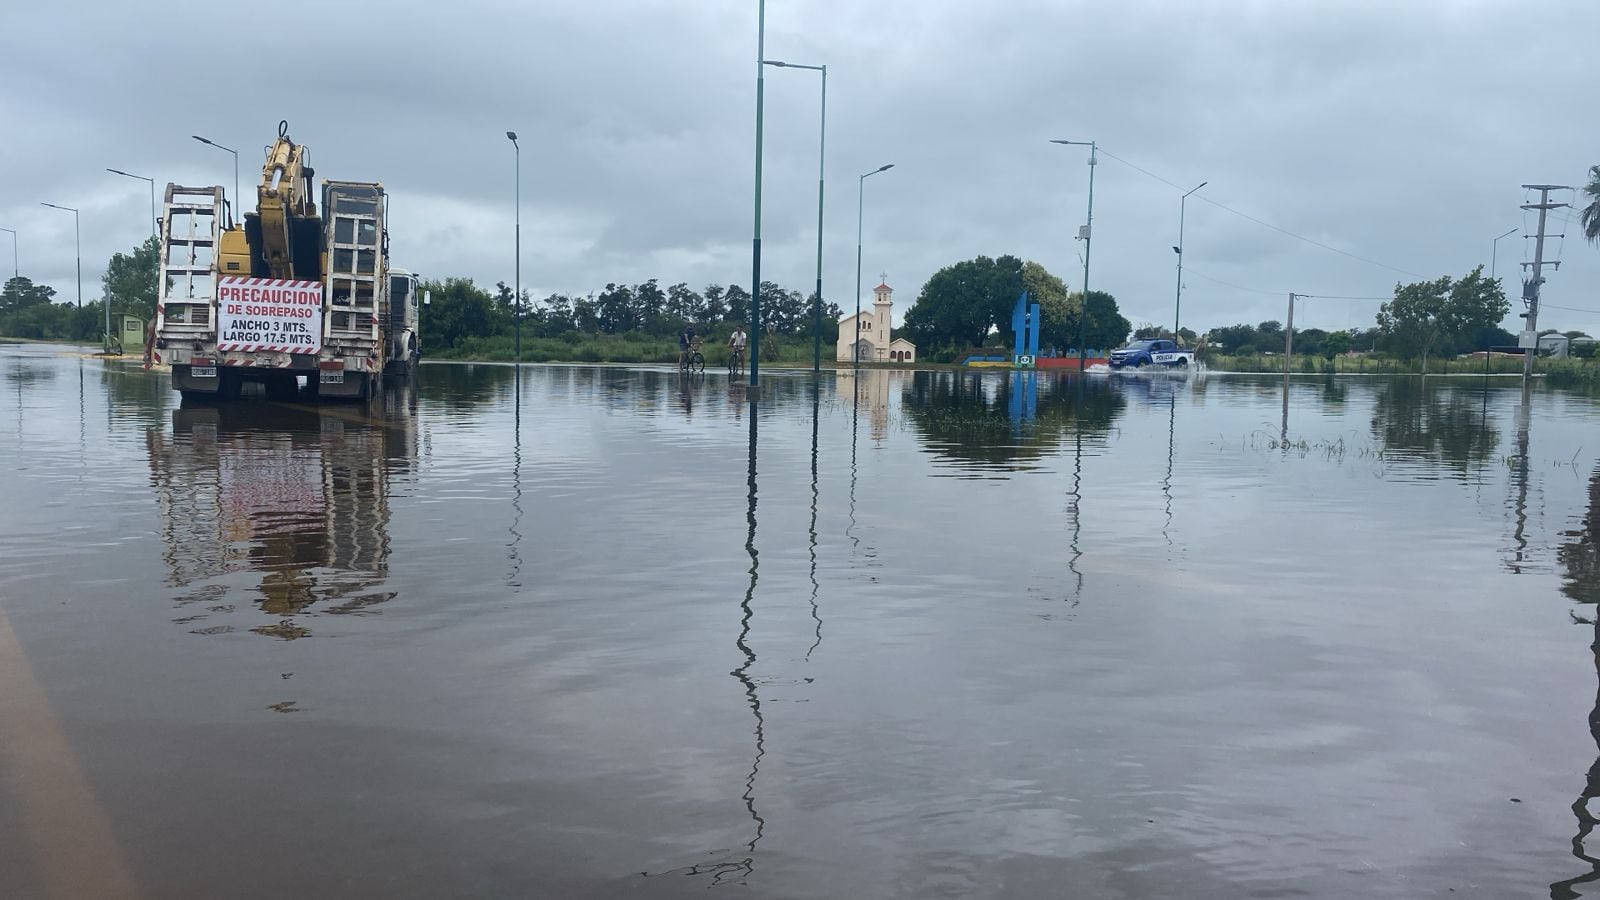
x,y
1288,337
1530,286
1288,355
755,243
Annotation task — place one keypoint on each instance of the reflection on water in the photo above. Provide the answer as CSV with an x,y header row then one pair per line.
x,y
992,634
296,496
1419,420
987,424
1580,563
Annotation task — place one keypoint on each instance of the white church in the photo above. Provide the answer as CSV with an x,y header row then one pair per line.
x,y
876,345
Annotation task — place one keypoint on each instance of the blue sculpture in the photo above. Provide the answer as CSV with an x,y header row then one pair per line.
x,y
1025,322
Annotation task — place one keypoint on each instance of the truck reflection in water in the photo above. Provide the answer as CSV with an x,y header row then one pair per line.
x,y
288,503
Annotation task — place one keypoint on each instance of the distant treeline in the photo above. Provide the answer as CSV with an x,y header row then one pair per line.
x,y
462,315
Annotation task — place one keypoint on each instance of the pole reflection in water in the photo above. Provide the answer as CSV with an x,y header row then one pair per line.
x,y
1519,478
514,546
855,423
295,494
745,867
816,615
1166,483
1077,495
1283,432
738,871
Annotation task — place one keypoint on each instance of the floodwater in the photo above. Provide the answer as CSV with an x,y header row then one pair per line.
x,y
606,633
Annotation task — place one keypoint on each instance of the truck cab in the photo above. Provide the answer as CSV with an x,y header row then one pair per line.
x,y
402,342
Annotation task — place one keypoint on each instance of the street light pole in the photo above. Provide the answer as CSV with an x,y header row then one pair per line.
x,y
1088,239
1177,307
755,242
517,298
236,198
152,183
16,272
822,149
861,193
1494,250
77,244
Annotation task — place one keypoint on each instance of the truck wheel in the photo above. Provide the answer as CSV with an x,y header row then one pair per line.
x,y
1182,362
1141,363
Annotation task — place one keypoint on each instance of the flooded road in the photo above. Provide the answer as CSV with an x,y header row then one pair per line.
x,y
607,633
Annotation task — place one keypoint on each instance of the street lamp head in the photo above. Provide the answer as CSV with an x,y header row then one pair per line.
x,y
118,172
512,135
1197,187
1178,250
54,206
886,168
201,139
776,62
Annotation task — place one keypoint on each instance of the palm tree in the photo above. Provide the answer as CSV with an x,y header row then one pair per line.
x,y
1591,213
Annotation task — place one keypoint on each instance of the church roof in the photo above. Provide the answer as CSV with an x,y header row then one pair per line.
x,y
902,341
883,287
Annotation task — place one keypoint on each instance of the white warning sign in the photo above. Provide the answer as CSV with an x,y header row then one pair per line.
x,y
266,314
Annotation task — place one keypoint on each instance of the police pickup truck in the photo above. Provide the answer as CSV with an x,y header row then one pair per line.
x,y
1151,353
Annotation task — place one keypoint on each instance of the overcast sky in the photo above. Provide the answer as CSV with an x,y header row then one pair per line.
x,y
1395,131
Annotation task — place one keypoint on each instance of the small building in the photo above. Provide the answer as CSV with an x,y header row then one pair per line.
x,y
876,344
128,330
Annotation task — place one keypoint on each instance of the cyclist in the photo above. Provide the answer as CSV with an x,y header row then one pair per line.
x,y
736,343
685,340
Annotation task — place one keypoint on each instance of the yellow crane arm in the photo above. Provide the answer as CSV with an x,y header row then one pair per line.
x,y
284,194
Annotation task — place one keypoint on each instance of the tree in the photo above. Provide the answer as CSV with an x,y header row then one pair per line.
x,y
21,293
1336,343
961,303
716,307
130,279
1058,308
684,305
1106,327
1233,338
1147,332
1426,316
1269,337
1590,218
585,314
737,300
460,309
650,309
616,310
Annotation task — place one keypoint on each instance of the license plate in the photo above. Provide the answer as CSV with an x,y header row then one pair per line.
x,y
203,371
333,377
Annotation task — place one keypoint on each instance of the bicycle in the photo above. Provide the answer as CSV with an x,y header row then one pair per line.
x,y
736,362
692,362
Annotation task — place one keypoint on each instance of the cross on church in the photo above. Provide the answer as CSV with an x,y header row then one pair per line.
x,y
883,278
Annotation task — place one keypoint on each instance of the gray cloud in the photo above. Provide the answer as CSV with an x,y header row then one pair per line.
x,y
1396,132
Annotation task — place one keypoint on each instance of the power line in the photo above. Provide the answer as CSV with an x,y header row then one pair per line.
x,y
1299,237
1281,293
1595,312
1236,287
